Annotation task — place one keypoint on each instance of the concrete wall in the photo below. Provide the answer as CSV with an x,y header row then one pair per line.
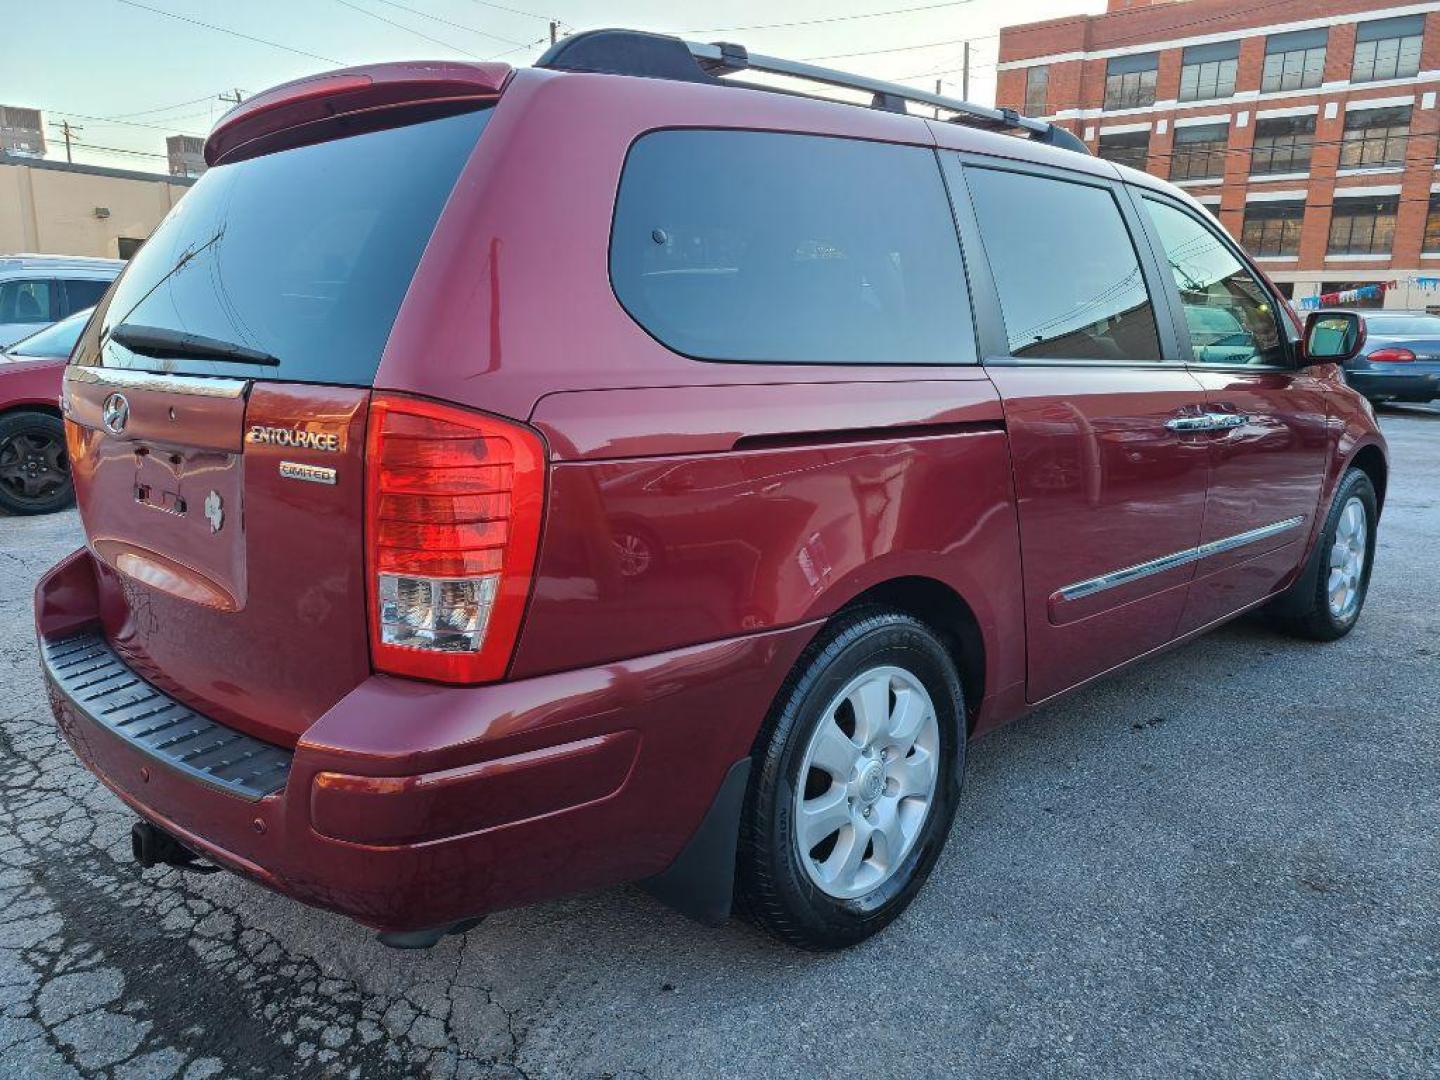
x,y
50,207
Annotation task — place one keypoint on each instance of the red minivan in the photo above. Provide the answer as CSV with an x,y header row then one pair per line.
x,y
502,483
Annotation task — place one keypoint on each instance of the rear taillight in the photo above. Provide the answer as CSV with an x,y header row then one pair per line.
x,y
453,504
1391,356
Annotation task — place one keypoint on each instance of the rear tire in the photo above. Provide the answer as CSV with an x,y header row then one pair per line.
x,y
34,468
1334,589
855,781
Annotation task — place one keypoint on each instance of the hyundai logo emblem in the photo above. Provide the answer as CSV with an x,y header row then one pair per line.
x,y
116,414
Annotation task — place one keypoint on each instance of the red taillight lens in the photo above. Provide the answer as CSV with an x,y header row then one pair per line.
x,y
453,503
1391,356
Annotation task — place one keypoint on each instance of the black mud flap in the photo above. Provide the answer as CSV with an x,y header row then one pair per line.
x,y
700,883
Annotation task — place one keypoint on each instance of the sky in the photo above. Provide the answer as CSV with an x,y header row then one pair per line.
x,y
126,74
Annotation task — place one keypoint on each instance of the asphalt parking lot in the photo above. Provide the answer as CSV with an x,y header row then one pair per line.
x,y
1226,863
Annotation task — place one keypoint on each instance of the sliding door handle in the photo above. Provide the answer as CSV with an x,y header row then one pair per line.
x,y
1207,422
1189,423
1224,421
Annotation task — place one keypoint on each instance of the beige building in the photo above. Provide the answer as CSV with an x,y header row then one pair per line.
x,y
55,208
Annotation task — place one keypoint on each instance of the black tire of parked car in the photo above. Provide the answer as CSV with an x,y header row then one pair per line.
x,y
772,888
34,469
1304,610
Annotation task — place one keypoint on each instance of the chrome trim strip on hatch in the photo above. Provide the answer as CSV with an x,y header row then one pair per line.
x,y
1180,558
194,385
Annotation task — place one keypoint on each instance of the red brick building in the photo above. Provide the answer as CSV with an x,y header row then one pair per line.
x,y
1309,127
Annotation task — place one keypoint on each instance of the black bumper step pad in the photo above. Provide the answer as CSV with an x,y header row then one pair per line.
x,y
103,688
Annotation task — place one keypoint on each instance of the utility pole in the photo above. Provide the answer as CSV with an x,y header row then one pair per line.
x,y
965,73
233,98
554,30
68,130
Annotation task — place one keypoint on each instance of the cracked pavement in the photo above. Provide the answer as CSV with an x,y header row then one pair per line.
x,y
1224,862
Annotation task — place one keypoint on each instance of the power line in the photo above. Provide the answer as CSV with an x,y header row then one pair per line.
x,y
407,29
232,33
159,109
512,11
104,120
447,22
826,19
897,48
521,48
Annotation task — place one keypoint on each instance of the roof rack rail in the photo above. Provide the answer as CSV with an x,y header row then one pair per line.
x,y
662,56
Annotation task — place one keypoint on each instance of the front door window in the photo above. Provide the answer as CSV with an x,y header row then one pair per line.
x,y
1230,316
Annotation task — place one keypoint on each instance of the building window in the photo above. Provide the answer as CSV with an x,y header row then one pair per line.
x,y
1126,148
1272,228
1388,49
127,246
1208,71
1282,145
1037,83
1363,226
1294,61
1130,82
1199,152
1432,226
1375,137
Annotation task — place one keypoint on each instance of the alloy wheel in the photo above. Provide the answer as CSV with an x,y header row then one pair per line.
x,y
867,782
1347,559
33,466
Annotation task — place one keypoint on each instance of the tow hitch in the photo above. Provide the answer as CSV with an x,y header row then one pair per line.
x,y
153,846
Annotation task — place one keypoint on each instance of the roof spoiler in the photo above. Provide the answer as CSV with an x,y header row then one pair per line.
x,y
662,56
252,126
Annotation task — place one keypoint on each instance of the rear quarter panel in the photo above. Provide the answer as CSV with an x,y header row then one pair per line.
x,y
30,383
807,513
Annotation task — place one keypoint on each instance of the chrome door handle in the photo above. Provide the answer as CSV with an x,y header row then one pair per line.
x,y
1207,422
1189,423
1224,421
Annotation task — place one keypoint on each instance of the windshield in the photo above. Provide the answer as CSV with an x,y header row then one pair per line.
x,y
303,255
1404,325
54,342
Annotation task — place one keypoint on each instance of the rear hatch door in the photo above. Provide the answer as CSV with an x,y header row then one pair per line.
x,y
217,409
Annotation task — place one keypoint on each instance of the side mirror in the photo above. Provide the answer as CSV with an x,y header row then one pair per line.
x,y
1332,337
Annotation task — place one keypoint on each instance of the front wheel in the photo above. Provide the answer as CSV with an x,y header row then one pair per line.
x,y
34,472
1326,602
855,784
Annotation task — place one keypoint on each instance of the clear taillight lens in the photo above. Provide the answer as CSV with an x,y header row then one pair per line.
x,y
453,510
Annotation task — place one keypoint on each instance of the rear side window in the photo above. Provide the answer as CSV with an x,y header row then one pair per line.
x,y
25,301
304,254
1065,267
757,246
81,293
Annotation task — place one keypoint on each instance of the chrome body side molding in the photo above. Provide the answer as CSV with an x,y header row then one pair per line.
x,y
1116,578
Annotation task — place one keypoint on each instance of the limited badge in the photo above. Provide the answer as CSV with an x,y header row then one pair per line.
x,y
214,511
316,474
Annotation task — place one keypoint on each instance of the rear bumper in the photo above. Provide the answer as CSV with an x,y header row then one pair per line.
x,y
1411,385
409,805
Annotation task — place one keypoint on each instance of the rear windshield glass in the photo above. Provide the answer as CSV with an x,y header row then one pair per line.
x,y
304,255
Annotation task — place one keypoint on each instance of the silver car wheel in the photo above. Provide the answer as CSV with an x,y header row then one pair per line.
x,y
1347,559
867,782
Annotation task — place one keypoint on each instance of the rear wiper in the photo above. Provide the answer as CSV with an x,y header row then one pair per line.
x,y
158,341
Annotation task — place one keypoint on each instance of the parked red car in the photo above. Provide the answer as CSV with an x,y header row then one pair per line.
x,y
34,473
505,483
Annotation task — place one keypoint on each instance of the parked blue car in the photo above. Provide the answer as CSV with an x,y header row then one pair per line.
x,y
1400,360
